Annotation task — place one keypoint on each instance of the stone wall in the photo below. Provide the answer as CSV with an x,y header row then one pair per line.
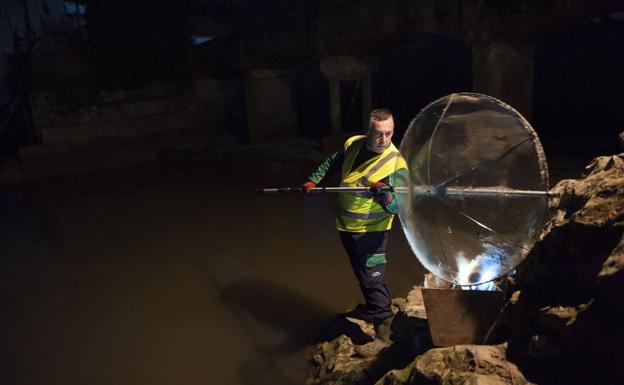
x,y
161,110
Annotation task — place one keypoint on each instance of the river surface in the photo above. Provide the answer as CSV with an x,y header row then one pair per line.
x,y
171,275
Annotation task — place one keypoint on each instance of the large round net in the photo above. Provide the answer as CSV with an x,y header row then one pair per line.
x,y
474,199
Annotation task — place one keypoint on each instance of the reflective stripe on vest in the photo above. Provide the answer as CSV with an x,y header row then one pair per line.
x,y
350,214
378,167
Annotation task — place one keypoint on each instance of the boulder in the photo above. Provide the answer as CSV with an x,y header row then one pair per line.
x,y
459,365
333,363
567,315
336,361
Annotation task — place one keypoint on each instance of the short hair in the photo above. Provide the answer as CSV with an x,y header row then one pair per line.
x,y
380,114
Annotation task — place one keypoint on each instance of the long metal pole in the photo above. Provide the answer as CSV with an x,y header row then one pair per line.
x,y
477,191
422,190
317,190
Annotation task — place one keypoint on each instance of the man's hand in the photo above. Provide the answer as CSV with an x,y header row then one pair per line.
x,y
307,186
376,188
381,196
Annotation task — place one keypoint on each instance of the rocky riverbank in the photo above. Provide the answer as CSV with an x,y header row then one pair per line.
x,y
562,321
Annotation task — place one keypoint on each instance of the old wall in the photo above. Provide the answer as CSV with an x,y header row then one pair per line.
x,y
123,128
161,110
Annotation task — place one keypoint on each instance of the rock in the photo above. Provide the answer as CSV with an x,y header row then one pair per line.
x,y
336,361
577,240
612,267
410,322
544,347
558,317
415,307
333,363
567,312
457,365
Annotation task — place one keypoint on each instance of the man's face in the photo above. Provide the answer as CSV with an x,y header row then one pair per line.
x,y
379,135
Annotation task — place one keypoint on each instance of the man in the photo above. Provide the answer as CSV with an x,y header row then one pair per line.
x,y
364,219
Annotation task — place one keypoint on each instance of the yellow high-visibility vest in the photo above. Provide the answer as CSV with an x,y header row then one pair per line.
x,y
359,213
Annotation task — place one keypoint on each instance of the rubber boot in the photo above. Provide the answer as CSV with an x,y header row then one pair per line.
x,y
360,312
381,341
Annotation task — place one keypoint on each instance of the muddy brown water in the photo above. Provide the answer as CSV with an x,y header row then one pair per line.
x,y
171,275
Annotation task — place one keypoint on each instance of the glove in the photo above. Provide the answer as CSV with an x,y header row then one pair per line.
x,y
307,186
383,197
376,188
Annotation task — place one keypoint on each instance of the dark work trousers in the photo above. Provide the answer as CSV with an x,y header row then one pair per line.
x,y
360,247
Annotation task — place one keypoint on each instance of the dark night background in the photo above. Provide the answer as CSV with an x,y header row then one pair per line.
x,y
119,45
133,134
